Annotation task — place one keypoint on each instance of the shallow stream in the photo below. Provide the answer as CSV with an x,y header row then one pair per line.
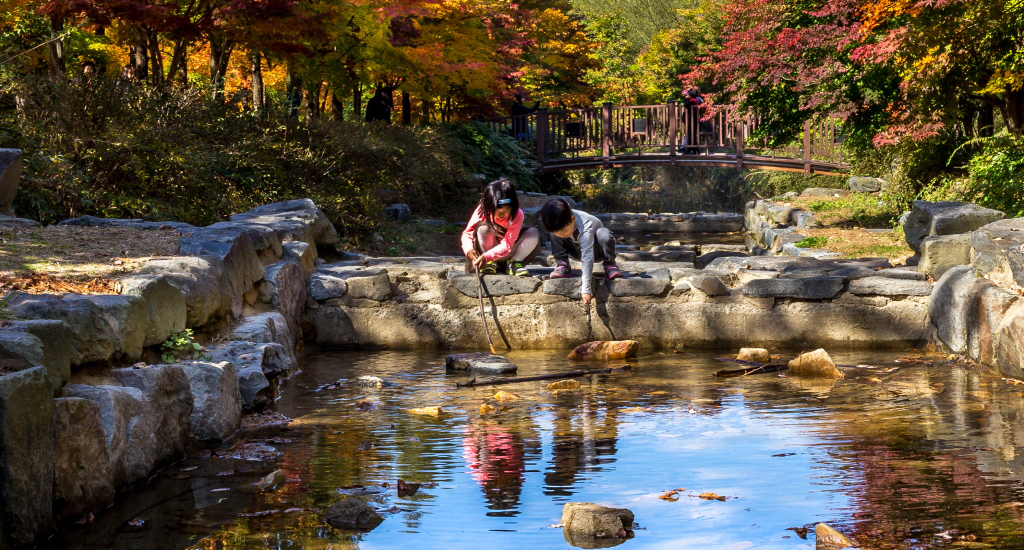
x,y
924,456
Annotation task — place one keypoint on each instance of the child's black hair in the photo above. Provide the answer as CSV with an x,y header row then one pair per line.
x,y
555,214
495,196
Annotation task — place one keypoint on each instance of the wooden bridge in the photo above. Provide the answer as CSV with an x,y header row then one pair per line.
x,y
667,135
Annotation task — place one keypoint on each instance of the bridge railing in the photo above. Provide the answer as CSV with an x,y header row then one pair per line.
x,y
611,134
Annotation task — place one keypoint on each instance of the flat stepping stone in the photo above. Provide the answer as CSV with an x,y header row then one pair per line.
x,y
495,285
808,288
887,286
481,362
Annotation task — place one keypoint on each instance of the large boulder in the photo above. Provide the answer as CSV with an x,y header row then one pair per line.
x,y
991,247
950,305
127,315
256,365
865,184
815,364
19,351
374,287
589,525
199,280
939,253
886,286
26,456
352,513
266,328
129,424
324,286
53,336
234,247
216,400
984,316
492,285
10,176
622,349
1010,342
94,335
287,292
228,238
83,477
165,302
301,253
298,220
167,392
945,218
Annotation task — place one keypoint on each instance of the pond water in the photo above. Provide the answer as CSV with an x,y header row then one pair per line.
x,y
925,456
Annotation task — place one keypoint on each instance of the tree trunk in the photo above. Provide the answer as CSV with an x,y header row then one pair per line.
x,y
425,112
220,54
313,102
986,120
57,62
140,57
357,102
258,99
156,57
337,107
179,62
406,109
294,94
1012,108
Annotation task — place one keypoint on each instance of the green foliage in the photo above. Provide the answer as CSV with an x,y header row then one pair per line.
x,y
996,175
769,183
126,150
180,347
812,242
857,210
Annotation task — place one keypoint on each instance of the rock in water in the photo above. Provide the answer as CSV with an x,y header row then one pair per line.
x,y
623,349
815,364
484,363
757,355
273,480
827,538
352,513
588,525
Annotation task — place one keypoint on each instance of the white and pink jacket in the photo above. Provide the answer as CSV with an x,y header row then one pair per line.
x,y
512,226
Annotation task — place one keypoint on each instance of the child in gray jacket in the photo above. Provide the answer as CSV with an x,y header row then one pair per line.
x,y
581,236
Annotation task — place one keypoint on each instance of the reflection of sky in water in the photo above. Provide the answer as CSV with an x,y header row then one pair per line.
x,y
898,460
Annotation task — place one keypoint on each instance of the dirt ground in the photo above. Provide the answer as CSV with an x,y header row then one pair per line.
x,y
76,259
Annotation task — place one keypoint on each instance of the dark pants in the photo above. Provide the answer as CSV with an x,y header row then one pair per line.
x,y
604,248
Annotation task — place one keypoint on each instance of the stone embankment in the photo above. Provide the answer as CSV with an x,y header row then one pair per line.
x,y
87,408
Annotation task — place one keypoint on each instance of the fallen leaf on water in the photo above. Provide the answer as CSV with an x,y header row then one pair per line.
x,y
876,380
429,411
505,396
711,496
563,385
486,409
659,392
800,531
671,495
407,489
365,406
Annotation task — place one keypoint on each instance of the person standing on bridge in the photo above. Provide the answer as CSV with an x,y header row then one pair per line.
x,y
583,237
494,237
520,125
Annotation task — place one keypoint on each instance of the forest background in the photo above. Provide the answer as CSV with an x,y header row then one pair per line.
x,y
195,109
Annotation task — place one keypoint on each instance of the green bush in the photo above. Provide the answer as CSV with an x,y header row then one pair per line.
x,y
119,149
995,175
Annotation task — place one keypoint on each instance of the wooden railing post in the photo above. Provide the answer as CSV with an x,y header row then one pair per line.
x,y
673,128
542,136
738,131
606,126
807,146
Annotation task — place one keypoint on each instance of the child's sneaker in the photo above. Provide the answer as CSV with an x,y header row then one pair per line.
x,y
612,272
489,268
562,271
515,267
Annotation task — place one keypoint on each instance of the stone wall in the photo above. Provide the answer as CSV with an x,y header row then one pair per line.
x,y
90,409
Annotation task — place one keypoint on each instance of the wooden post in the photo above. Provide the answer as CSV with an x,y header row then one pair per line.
x,y
738,131
606,127
807,147
673,129
542,136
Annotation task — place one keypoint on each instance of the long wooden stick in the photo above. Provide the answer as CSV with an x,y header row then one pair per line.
x,y
483,318
754,368
571,374
590,323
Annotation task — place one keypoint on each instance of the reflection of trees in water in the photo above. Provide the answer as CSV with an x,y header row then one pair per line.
x,y
496,455
584,437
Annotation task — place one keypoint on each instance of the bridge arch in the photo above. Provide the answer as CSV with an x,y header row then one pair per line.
x,y
666,135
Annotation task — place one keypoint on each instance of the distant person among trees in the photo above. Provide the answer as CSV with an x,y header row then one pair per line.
x,y
380,106
580,236
494,238
521,126
693,102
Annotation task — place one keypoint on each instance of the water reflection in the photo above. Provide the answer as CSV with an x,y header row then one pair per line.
x,y
920,457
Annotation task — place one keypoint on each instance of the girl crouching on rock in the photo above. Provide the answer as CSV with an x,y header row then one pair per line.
x,y
495,238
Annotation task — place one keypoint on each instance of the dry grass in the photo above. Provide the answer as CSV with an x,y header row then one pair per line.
x,y
77,259
859,243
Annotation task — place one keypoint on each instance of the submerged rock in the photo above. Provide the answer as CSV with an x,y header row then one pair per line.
x,y
623,349
274,479
815,364
481,362
757,355
352,513
827,538
588,525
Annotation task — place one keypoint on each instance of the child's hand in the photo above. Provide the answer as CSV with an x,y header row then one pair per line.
x,y
587,298
472,255
479,261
